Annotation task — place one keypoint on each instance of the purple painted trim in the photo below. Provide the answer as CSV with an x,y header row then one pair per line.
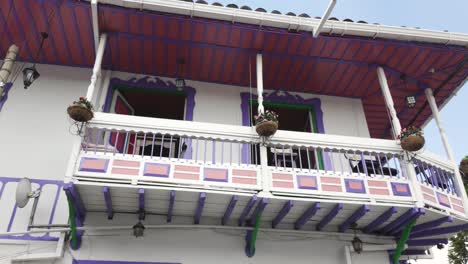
x,y
141,199
439,199
75,261
199,210
306,216
155,83
247,209
93,170
168,166
170,208
402,218
398,193
299,177
205,178
432,224
353,190
329,217
400,227
287,98
427,242
45,237
440,231
281,214
354,218
258,210
108,201
229,209
12,217
4,96
381,219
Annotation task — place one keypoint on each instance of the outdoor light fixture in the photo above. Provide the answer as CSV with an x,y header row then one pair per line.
x,y
410,101
179,82
356,242
440,246
30,74
138,229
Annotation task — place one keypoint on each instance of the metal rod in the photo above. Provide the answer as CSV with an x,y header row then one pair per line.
x,y
324,18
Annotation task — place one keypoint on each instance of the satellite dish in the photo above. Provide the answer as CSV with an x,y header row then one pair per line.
x,y
23,192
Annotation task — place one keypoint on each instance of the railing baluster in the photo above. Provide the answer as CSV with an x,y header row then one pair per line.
x,y
357,166
340,157
222,152
196,149
275,156
162,146
126,143
396,166
329,153
152,145
380,165
116,143
284,159
230,152
388,166
300,156
170,147
179,149
144,145
106,142
291,157
308,157
372,163
240,152
134,143
317,166
255,152
204,152
96,142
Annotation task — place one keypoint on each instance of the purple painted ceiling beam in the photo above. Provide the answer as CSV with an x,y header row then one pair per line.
x,y
199,210
329,217
380,220
258,210
432,224
107,199
399,220
74,195
170,208
440,231
141,204
284,211
427,242
400,227
247,209
229,209
306,216
354,218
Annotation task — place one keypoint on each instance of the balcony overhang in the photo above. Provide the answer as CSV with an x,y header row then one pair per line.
x,y
338,63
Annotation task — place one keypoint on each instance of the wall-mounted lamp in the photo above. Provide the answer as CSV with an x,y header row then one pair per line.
x,y
179,82
138,229
30,74
410,101
356,242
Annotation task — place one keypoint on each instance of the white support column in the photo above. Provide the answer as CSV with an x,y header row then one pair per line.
x,y
396,131
260,83
389,101
97,67
448,149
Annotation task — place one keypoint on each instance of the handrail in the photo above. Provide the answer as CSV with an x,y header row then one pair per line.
x,y
436,160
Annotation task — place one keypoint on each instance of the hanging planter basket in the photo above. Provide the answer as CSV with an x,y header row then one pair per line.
x,y
464,167
79,112
413,143
266,128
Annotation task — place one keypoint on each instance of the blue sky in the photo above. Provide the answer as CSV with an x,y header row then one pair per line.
x,y
428,14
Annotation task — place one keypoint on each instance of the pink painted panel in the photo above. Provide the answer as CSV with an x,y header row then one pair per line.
x,y
429,198
443,199
216,174
156,169
126,163
94,164
250,173
244,180
401,188
187,168
124,171
427,190
376,191
310,182
356,185
331,188
331,180
374,183
282,176
456,201
186,176
458,208
281,184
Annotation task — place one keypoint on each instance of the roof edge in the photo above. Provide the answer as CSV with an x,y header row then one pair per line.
x,y
293,22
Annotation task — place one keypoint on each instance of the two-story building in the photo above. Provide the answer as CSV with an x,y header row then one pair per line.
x,y
171,169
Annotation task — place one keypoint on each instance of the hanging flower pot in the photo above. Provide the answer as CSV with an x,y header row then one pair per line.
x,y
81,111
266,123
411,138
464,166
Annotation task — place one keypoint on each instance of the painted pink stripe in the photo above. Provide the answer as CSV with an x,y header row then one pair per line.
x,y
95,164
402,188
374,183
427,190
124,171
331,180
187,168
456,201
186,176
244,181
216,174
308,182
156,169
429,198
358,185
126,163
282,176
250,173
379,191
280,184
331,188
458,208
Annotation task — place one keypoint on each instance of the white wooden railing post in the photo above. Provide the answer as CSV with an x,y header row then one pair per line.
x,y
407,165
75,151
448,149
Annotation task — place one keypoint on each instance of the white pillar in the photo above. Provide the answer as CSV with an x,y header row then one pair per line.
x,y
97,67
448,149
260,83
389,101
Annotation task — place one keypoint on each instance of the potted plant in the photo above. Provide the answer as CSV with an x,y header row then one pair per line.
x,y
81,110
464,166
411,138
266,123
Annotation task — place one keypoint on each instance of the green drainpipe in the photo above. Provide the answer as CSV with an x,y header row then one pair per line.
x,y
401,243
72,221
253,238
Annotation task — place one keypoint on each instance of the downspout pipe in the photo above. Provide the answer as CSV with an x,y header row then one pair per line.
x,y
324,18
5,70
